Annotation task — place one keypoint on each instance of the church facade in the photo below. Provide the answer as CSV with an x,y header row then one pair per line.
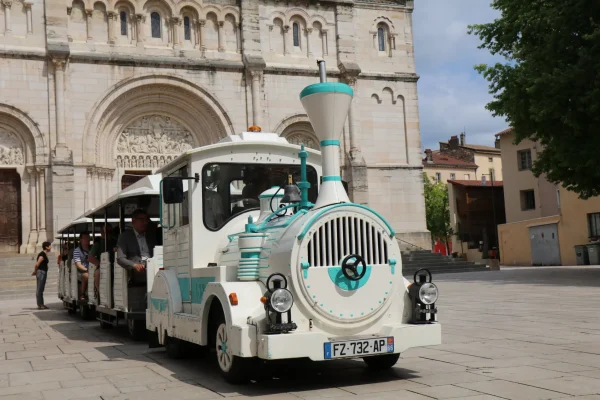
x,y
95,93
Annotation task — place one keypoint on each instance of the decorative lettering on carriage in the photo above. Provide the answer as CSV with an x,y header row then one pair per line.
x,y
11,150
151,142
300,138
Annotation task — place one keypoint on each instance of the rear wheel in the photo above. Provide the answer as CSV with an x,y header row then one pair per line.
x,y
379,363
84,311
137,329
234,369
175,347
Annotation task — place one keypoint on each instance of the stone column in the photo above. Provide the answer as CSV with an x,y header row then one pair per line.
x,y
33,232
256,107
139,35
61,149
29,17
101,186
175,22
308,48
93,193
112,16
88,24
238,37
195,33
221,36
7,27
324,41
286,29
201,44
41,195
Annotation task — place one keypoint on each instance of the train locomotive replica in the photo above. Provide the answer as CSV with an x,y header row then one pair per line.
x,y
264,257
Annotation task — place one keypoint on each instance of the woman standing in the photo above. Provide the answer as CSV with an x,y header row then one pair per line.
x,y
41,273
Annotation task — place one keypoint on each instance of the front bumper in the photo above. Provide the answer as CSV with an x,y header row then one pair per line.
x,y
311,344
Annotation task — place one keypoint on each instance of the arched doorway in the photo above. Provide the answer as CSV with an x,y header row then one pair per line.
x,y
10,210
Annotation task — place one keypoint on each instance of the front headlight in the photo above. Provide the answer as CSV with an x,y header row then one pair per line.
x,y
428,293
281,300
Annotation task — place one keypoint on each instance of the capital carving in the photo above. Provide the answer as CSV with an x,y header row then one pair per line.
x,y
201,22
7,3
69,9
140,17
309,30
324,31
221,23
27,5
59,63
30,170
89,13
175,20
111,14
41,171
255,73
270,26
286,28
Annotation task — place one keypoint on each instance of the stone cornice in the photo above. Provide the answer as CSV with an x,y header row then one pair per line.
x,y
157,62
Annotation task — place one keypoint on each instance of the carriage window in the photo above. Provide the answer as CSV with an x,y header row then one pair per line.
x,y
176,215
232,189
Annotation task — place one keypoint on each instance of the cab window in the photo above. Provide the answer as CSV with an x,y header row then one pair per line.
x,y
232,189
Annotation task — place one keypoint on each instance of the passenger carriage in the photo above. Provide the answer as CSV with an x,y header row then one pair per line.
x,y
121,300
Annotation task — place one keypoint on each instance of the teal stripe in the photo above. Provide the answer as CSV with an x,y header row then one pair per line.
x,y
327,87
332,178
324,143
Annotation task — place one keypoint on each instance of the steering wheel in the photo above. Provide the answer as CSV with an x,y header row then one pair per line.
x,y
350,266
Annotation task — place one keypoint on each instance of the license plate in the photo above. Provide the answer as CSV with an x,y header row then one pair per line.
x,y
358,348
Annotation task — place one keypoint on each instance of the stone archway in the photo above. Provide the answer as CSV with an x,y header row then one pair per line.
x,y
22,183
143,123
301,132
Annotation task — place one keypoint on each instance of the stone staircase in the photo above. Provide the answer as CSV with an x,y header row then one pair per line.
x,y
436,263
16,281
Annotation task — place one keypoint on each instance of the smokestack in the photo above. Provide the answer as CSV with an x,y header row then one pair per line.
x,y
462,138
453,142
327,105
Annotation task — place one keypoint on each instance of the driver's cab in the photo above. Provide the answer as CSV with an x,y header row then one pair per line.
x,y
209,193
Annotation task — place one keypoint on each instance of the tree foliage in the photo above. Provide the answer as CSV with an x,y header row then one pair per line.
x,y
437,212
549,88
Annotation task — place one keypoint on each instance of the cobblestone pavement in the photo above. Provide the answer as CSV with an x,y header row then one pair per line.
x,y
524,333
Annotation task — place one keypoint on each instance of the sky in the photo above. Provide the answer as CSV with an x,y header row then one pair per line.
x,y
452,95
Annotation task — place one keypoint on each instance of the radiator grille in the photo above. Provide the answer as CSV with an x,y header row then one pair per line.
x,y
345,235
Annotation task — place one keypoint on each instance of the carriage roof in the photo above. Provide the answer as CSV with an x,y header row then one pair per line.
x,y
272,141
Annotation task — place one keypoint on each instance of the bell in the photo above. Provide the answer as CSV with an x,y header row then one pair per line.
x,y
291,192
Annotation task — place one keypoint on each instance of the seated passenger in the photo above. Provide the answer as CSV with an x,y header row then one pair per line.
x,y
98,248
134,247
80,259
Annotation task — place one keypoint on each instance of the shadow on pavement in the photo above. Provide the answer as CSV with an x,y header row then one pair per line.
x,y
588,276
275,378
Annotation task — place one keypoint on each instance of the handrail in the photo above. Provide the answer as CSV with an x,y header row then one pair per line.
x,y
412,244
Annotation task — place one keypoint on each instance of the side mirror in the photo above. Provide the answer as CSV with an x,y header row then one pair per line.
x,y
172,191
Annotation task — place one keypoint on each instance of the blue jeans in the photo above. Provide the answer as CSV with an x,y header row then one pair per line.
x,y
41,285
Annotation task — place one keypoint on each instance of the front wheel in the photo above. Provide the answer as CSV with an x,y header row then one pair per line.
x,y
234,369
379,363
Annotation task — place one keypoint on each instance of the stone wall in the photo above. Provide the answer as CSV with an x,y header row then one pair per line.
x,y
194,73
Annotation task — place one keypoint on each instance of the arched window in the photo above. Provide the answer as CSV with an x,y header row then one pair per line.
x,y
187,31
123,16
296,29
381,38
155,24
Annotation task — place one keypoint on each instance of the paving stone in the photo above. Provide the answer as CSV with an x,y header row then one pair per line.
x,y
15,366
40,352
133,379
55,375
511,390
518,374
79,392
571,385
445,392
67,360
32,388
379,387
450,378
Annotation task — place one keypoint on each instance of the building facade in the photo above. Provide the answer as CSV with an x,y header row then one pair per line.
x,y
544,221
95,93
457,160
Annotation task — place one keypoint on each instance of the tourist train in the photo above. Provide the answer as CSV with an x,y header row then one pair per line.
x,y
261,256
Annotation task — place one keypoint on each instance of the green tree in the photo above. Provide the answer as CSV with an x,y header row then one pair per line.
x,y
549,88
437,212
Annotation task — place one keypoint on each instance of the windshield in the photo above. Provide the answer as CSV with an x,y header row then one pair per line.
x,y
232,189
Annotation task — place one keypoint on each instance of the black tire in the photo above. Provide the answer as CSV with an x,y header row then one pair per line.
x,y
380,363
105,325
71,310
238,369
136,329
175,347
84,311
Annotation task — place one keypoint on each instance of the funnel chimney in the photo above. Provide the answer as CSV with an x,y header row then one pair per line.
x,y
327,105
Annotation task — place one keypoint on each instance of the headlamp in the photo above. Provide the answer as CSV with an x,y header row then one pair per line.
x,y
428,293
281,300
